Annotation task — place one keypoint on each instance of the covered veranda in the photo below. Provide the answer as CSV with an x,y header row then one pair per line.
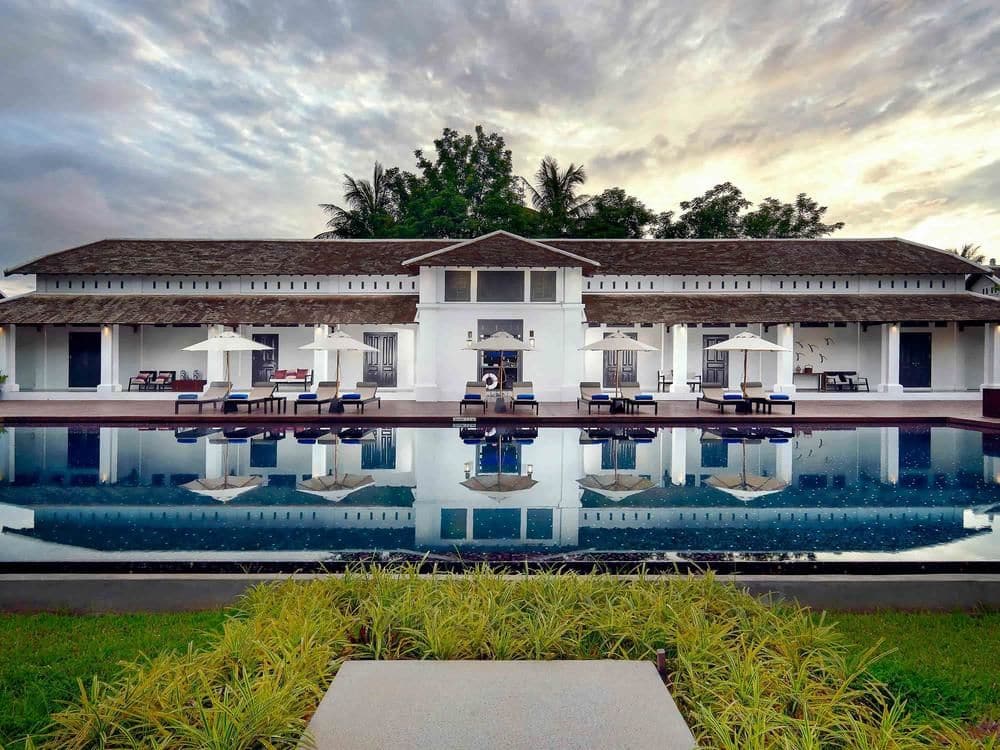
x,y
62,347
896,345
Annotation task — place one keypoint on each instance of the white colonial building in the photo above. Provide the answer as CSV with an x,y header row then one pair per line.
x,y
902,315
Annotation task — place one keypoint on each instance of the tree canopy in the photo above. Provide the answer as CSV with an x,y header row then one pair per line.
x,y
467,187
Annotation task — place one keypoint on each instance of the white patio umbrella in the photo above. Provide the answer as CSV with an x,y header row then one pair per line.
x,y
744,486
615,486
499,486
333,487
227,342
746,342
338,341
618,342
501,341
225,488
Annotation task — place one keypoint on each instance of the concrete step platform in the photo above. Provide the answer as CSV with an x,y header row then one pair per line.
x,y
445,705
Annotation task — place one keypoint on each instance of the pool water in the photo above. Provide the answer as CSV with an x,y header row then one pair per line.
x,y
291,497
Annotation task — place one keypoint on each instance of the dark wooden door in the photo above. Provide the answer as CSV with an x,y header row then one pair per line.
x,y
380,365
84,359
715,365
264,362
611,364
915,360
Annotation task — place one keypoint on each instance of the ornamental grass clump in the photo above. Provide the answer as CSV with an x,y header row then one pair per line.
x,y
745,675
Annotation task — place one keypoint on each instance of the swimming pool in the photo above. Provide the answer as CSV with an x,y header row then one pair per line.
x,y
82,498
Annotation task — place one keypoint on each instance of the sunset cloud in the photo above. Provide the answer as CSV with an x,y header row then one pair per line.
x,y
203,118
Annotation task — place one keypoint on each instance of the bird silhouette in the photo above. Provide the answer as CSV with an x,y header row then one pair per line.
x,y
829,341
822,358
800,345
811,348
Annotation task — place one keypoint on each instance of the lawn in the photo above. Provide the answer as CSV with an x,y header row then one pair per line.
x,y
947,664
744,675
43,656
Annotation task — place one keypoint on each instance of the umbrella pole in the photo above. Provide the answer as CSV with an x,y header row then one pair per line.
x,y
743,385
227,378
336,388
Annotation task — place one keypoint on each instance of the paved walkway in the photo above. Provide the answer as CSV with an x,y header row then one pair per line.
x,y
109,411
514,705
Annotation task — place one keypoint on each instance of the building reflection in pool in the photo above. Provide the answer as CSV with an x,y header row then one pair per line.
x,y
72,494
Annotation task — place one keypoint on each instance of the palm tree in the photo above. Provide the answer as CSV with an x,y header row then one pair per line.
x,y
554,195
368,208
970,252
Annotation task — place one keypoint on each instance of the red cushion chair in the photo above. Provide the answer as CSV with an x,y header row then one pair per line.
x,y
280,374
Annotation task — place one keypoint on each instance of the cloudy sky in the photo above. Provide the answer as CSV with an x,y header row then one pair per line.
x,y
216,119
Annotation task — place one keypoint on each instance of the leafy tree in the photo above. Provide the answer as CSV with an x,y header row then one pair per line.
x,y
721,212
467,189
804,218
370,207
969,252
554,195
615,214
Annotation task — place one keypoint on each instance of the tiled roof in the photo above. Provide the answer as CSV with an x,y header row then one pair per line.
x,y
708,257
381,257
133,309
781,308
235,257
501,249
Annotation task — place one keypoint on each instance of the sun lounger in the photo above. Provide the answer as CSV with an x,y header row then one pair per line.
x,y
214,395
523,394
765,401
592,395
364,393
637,398
258,396
475,395
721,398
325,392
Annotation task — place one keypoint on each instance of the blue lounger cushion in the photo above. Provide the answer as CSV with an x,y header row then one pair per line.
x,y
237,441
779,397
350,396
306,441
525,441
472,397
778,440
187,396
642,440
600,397
187,440
350,441
643,397
472,441
732,396
526,396
307,397
238,396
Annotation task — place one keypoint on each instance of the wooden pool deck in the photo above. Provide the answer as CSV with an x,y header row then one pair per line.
x,y
965,413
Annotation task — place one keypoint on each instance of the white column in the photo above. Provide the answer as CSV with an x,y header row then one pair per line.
x,y
678,455
215,454
783,461
242,362
215,367
679,334
991,354
426,386
108,470
8,363
7,466
786,360
889,455
890,359
110,377
321,357
319,460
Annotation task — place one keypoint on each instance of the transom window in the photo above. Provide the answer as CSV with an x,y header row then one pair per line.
x,y
500,286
